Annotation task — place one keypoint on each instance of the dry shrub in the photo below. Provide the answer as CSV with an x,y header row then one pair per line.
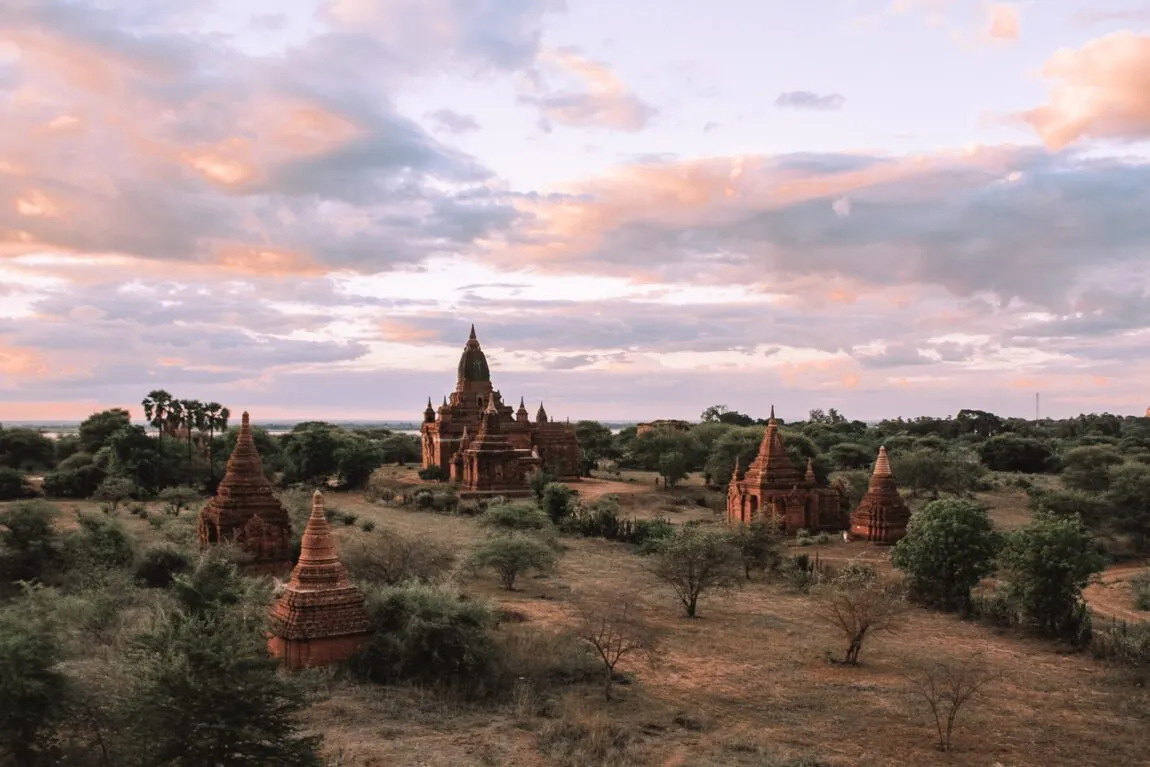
x,y
586,736
390,558
947,685
534,663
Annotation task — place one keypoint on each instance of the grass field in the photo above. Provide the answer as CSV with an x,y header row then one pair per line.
x,y
747,683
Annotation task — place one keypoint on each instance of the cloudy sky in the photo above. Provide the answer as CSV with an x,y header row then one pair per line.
x,y
892,207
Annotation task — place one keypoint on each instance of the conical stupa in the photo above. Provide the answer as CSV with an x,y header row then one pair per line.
x,y
320,617
245,511
882,514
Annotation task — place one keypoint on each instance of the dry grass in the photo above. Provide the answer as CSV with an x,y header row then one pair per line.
x,y
747,683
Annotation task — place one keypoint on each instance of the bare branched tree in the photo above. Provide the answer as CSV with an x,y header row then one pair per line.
x,y
858,607
947,685
615,627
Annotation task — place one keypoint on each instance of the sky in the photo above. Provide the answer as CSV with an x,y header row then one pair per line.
x,y
298,208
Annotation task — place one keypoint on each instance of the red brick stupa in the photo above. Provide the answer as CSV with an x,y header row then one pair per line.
x,y
320,619
882,514
246,512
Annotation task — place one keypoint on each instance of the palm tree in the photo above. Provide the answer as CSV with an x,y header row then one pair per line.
x,y
157,407
211,418
192,415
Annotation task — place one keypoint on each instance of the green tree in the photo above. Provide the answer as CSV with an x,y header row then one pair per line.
x,y
1093,508
135,456
738,444
760,544
936,471
1047,564
513,555
98,427
1010,452
557,501
13,485
29,545
511,518
356,457
596,443
672,467
113,491
1088,468
851,455
310,452
1129,497
26,449
950,546
207,693
693,562
33,688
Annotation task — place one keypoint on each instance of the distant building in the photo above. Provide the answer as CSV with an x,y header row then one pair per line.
x,y
663,423
475,420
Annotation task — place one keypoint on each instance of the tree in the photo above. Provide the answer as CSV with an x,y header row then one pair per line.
x,y
96,428
156,406
672,467
693,562
738,445
1129,496
1047,564
713,413
216,419
356,458
113,491
596,443
858,604
947,685
137,457
511,518
557,501
33,688
936,471
207,693
950,546
851,455
176,499
512,555
29,544
615,628
1088,468
13,485
1010,452
538,480
26,449
760,544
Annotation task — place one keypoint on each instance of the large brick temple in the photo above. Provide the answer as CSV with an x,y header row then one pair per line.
x,y
488,446
773,484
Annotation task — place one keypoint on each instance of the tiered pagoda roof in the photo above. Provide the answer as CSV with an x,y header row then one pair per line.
x,y
772,468
882,515
246,511
320,605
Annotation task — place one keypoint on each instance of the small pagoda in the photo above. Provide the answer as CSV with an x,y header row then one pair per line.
x,y
774,486
882,515
246,512
320,617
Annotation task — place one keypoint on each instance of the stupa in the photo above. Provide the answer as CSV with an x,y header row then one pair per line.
x,y
882,514
320,617
245,511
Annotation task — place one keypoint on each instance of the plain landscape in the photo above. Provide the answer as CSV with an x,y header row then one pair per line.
x,y
756,678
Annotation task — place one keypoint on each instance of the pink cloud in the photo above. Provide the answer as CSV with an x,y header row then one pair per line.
x,y
1003,25
1102,92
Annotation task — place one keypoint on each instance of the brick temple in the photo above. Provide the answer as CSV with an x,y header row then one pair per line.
x,y
246,512
882,514
320,617
451,434
773,484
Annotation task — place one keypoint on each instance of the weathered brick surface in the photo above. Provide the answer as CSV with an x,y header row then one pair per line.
x,y
245,511
773,484
320,617
882,515
553,444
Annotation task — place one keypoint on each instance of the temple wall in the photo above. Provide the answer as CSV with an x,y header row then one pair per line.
x,y
310,653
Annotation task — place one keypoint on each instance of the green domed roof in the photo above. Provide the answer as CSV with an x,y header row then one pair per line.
x,y
473,363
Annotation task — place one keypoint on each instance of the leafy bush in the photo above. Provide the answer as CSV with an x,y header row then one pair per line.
x,y
996,608
99,542
802,572
557,501
392,558
513,555
1125,643
30,548
434,474
1141,585
514,517
13,485
176,499
73,483
159,566
428,635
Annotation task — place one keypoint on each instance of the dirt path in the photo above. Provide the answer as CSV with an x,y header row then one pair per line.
x,y
1112,595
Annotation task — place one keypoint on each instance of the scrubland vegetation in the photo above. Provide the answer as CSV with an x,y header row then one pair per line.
x,y
616,621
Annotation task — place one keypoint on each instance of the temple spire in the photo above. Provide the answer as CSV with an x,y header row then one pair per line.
x,y
772,418
472,337
491,404
810,475
882,465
